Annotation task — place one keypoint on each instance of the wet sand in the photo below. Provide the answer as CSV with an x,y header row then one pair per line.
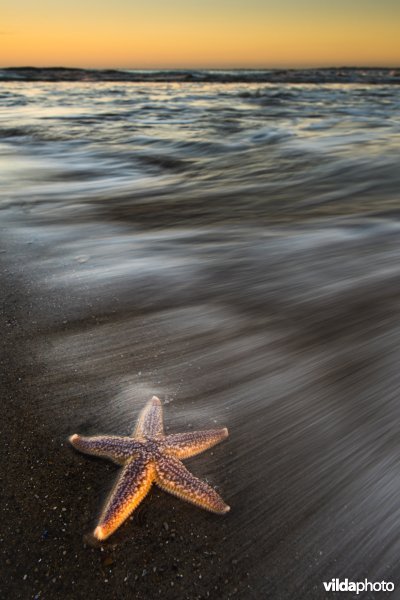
x,y
51,495
299,377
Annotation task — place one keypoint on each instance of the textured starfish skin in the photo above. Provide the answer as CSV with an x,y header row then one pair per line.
x,y
150,457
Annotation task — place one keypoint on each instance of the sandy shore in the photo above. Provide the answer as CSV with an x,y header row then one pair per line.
x,y
300,372
52,496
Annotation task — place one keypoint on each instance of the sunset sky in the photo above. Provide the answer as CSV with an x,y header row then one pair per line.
x,y
199,33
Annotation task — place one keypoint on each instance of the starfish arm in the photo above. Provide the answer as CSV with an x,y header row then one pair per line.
x,y
183,445
117,449
173,477
130,489
150,422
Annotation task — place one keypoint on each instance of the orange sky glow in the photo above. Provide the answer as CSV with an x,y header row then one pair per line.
x,y
202,33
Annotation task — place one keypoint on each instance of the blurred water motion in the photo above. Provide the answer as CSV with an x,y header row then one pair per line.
x,y
234,249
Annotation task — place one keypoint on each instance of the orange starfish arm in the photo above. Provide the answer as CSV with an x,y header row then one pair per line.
x,y
131,487
150,422
173,477
183,445
117,449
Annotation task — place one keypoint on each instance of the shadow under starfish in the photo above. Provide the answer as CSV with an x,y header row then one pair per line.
x,y
150,457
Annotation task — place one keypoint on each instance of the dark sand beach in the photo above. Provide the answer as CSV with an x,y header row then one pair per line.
x,y
168,550
251,282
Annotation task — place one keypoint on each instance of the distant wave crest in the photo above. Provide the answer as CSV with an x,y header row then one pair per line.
x,y
332,75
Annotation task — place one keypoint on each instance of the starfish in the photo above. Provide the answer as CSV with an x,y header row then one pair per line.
x,y
150,456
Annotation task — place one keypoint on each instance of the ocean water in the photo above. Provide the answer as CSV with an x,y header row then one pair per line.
x,y
235,249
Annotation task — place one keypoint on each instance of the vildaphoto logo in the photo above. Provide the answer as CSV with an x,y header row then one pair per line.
x,y
344,585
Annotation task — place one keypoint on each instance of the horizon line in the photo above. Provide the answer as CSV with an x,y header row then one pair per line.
x,y
204,68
